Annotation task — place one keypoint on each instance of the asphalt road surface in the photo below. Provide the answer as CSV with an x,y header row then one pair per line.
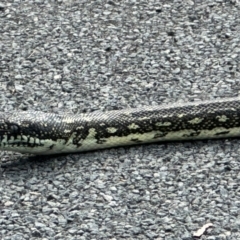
x,y
87,55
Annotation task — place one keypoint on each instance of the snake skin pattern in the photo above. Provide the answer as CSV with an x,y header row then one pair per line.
x,y
47,133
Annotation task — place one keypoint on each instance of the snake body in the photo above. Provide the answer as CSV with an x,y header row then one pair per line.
x,y
40,133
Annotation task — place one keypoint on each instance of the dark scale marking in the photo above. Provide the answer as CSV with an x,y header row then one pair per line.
x,y
14,129
100,141
9,136
51,147
78,145
136,140
222,133
160,134
192,134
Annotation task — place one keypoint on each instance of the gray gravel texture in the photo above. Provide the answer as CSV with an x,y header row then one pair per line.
x,y
81,56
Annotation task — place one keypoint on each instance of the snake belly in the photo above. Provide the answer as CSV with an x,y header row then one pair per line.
x,y
41,133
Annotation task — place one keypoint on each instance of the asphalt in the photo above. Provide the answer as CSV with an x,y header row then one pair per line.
x,y
82,56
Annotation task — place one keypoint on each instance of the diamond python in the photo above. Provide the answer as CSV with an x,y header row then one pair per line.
x,y
48,133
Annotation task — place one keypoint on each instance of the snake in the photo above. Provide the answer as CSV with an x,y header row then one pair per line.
x,y
41,133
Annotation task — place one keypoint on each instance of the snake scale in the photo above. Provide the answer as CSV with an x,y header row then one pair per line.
x,y
48,133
